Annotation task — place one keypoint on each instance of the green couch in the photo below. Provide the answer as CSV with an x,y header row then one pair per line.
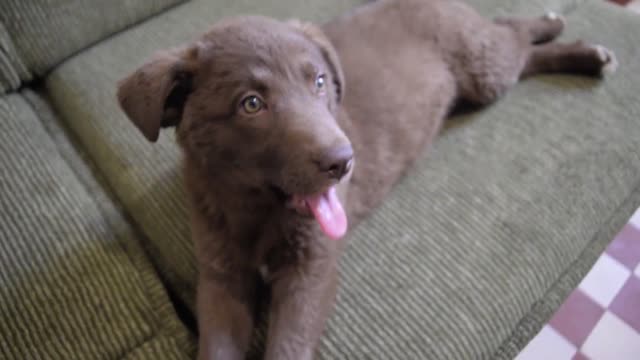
x,y
467,259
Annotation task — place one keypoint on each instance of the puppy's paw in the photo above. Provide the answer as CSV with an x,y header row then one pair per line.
x,y
553,16
548,27
607,58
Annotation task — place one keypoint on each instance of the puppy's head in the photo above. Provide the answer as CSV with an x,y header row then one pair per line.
x,y
255,101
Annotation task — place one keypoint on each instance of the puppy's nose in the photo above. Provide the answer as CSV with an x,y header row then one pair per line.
x,y
337,162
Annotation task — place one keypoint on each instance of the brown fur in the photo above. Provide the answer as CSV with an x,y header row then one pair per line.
x,y
389,88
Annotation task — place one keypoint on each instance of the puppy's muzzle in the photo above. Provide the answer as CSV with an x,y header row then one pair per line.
x,y
336,163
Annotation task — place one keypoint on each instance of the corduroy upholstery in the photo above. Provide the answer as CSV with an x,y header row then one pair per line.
x,y
467,258
12,70
75,282
36,35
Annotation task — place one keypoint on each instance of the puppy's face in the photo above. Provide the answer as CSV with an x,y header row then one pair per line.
x,y
254,101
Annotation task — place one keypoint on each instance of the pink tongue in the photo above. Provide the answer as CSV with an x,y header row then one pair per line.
x,y
329,213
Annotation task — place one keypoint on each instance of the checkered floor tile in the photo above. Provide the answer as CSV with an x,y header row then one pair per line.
x,y
600,320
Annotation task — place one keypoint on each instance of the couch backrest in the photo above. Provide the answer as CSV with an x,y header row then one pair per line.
x,y
36,35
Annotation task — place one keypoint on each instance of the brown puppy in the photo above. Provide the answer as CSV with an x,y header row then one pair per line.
x,y
271,132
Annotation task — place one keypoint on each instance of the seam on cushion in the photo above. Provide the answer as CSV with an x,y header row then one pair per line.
x,y
9,80
533,321
18,72
163,316
36,74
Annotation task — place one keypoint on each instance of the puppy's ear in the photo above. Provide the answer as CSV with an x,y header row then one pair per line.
x,y
154,95
315,34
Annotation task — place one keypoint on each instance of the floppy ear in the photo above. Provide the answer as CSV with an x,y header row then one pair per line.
x,y
154,96
315,34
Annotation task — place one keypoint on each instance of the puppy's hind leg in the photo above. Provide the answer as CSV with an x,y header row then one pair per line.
x,y
535,30
575,58
521,47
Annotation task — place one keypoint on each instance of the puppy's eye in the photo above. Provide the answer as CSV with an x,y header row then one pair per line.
x,y
252,104
321,82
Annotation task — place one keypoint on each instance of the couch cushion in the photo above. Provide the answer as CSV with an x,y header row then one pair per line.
x,y
475,248
75,282
46,32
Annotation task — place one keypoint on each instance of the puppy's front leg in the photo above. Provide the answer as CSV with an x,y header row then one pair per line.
x,y
302,298
225,319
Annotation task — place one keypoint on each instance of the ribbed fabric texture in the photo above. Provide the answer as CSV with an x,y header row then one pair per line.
x,y
74,282
493,8
46,32
156,349
474,249
12,70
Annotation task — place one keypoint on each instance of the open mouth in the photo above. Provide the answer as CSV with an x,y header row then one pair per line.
x,y
325,207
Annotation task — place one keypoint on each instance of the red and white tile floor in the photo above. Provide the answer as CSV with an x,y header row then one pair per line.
x,y
600,320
